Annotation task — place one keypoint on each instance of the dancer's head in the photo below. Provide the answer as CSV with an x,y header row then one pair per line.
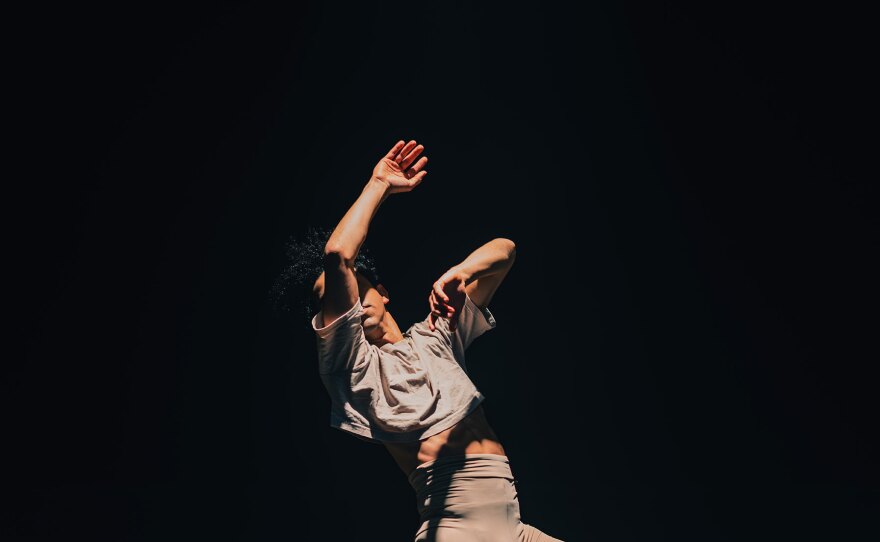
x,y
300,285
373,296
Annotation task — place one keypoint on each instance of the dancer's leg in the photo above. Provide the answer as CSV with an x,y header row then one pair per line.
x,y
470,498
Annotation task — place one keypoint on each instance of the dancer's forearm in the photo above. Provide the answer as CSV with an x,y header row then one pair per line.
x,y
350,233
494,257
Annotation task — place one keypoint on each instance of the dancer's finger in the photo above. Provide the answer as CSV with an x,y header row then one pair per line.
x,y
411,156
404,151
438,288
395,149
418,166
417,179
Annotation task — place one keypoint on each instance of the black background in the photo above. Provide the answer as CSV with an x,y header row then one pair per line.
x,y
686,346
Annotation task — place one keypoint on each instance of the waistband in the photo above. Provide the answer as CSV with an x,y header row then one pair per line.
x,y
455,466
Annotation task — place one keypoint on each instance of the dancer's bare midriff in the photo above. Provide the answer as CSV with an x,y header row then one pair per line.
x,y
472,435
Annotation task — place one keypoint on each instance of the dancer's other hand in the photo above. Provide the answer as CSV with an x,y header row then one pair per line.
x,y
447,297
396,169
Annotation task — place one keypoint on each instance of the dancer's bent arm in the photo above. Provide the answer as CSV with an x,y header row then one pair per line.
x,y
394,173
478,276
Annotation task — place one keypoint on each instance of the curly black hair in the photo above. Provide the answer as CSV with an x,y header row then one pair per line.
x,y
292,289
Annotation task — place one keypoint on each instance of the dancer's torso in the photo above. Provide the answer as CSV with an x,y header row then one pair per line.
x,y
472,435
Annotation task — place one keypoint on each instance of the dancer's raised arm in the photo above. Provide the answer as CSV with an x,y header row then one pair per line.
x,y
394,173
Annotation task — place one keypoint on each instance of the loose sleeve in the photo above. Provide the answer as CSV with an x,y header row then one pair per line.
x,y
342,345
473,322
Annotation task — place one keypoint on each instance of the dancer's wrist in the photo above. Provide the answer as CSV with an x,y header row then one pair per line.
x,y
462,272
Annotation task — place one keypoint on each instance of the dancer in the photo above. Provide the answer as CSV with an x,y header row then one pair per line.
x,y
410,390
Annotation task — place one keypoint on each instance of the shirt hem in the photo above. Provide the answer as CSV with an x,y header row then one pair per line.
x,y
377,435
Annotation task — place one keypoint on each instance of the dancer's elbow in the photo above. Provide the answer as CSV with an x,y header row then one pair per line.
x,y
508,247
335,254
335,257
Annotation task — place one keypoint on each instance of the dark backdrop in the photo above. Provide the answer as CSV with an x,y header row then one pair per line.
x,y
686,346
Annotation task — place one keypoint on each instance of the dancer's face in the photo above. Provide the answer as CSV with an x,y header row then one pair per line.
x,y
373,299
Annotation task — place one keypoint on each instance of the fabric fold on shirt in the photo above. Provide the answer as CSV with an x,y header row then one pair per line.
x,y
400,392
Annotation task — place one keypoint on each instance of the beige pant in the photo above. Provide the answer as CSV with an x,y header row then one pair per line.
x,y
470,498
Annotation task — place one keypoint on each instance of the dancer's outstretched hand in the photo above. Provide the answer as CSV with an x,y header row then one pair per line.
x,y
447,297
397,169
